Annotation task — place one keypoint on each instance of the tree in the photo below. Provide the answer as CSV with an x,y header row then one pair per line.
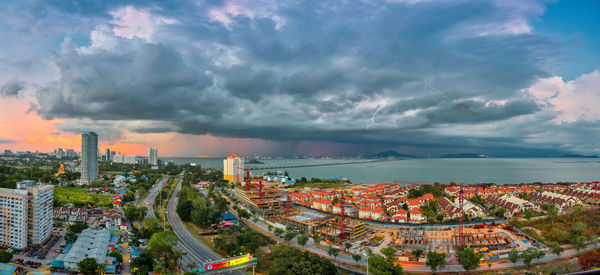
x,y
356,257
552,213
289,236
347,245
88,266
302,240
332,251
528,214
540,254
70,237
316,238
468,258
184,209
578,229
556,249
435,260
142,264
513,256
289,260
335,200
378,265
417,253
528,255
500,212
5,256
389,253
278,231
575,212
77,227
161,247
117,255
579,243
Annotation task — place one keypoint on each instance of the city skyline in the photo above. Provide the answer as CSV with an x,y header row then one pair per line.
x,y
420,77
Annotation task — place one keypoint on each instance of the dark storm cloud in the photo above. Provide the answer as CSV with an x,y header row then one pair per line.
x,y
12,88
477,112
359,72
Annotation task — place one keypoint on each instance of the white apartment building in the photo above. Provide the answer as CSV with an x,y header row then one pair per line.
x,y
128,159
26,214
233,168
13,218
40,212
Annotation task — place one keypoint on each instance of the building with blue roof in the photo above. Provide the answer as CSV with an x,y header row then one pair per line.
x,y
8,269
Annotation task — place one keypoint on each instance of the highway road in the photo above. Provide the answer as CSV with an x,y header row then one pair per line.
x,y
150,198
197,253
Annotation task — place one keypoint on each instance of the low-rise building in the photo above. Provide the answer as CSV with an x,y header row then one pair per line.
x,y
561,201
416,216
91,243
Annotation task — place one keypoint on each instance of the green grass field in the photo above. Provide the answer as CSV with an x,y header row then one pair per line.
x,y
74,195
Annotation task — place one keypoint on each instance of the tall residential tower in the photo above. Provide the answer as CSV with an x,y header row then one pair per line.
x,y
152,156
233,168
27,214
89,157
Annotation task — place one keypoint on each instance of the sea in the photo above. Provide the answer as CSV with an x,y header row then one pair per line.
x,y
443,170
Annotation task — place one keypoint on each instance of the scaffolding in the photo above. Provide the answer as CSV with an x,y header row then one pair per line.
x,y
271,203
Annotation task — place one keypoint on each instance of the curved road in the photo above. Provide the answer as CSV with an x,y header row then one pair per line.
x,y
196,251
150,198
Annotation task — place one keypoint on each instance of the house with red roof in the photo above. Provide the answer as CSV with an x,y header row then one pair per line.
x,y
485,192
377,214
416,216
399,216
364,213
323,195
414,204
322,204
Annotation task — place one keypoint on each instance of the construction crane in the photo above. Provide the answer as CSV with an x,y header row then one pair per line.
x,y
250,178
461,239
343,213
288,205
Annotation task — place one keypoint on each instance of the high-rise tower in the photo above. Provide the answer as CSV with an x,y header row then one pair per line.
x,y
233,167
89,157
152,156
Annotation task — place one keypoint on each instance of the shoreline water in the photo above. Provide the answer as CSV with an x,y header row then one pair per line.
x,y
467,170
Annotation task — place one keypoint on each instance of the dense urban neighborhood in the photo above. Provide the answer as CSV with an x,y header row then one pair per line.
x,y
141,218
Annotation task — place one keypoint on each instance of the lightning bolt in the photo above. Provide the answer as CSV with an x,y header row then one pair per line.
x,y
427,85
374,115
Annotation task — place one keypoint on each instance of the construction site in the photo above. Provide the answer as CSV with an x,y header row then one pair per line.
x,y
274,205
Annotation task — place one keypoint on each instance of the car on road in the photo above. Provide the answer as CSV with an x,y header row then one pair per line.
x,y
147,203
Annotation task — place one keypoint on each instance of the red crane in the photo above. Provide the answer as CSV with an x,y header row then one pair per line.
x,y
343,213
461,239
288,205
249,178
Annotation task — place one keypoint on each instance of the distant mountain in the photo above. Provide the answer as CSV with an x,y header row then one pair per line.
x,y
392,154
464,156
578,156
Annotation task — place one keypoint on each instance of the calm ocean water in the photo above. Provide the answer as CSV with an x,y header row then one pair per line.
x,y
496,170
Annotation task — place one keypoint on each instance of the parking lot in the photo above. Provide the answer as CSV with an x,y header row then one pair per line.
x,y
37,259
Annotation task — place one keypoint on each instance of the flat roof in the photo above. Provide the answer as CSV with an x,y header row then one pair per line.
x,y
308,216
91,243
7,269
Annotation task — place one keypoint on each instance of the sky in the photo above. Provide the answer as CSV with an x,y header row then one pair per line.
x,y
302,78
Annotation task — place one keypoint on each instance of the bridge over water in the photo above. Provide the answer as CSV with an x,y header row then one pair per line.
x,y
274,167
